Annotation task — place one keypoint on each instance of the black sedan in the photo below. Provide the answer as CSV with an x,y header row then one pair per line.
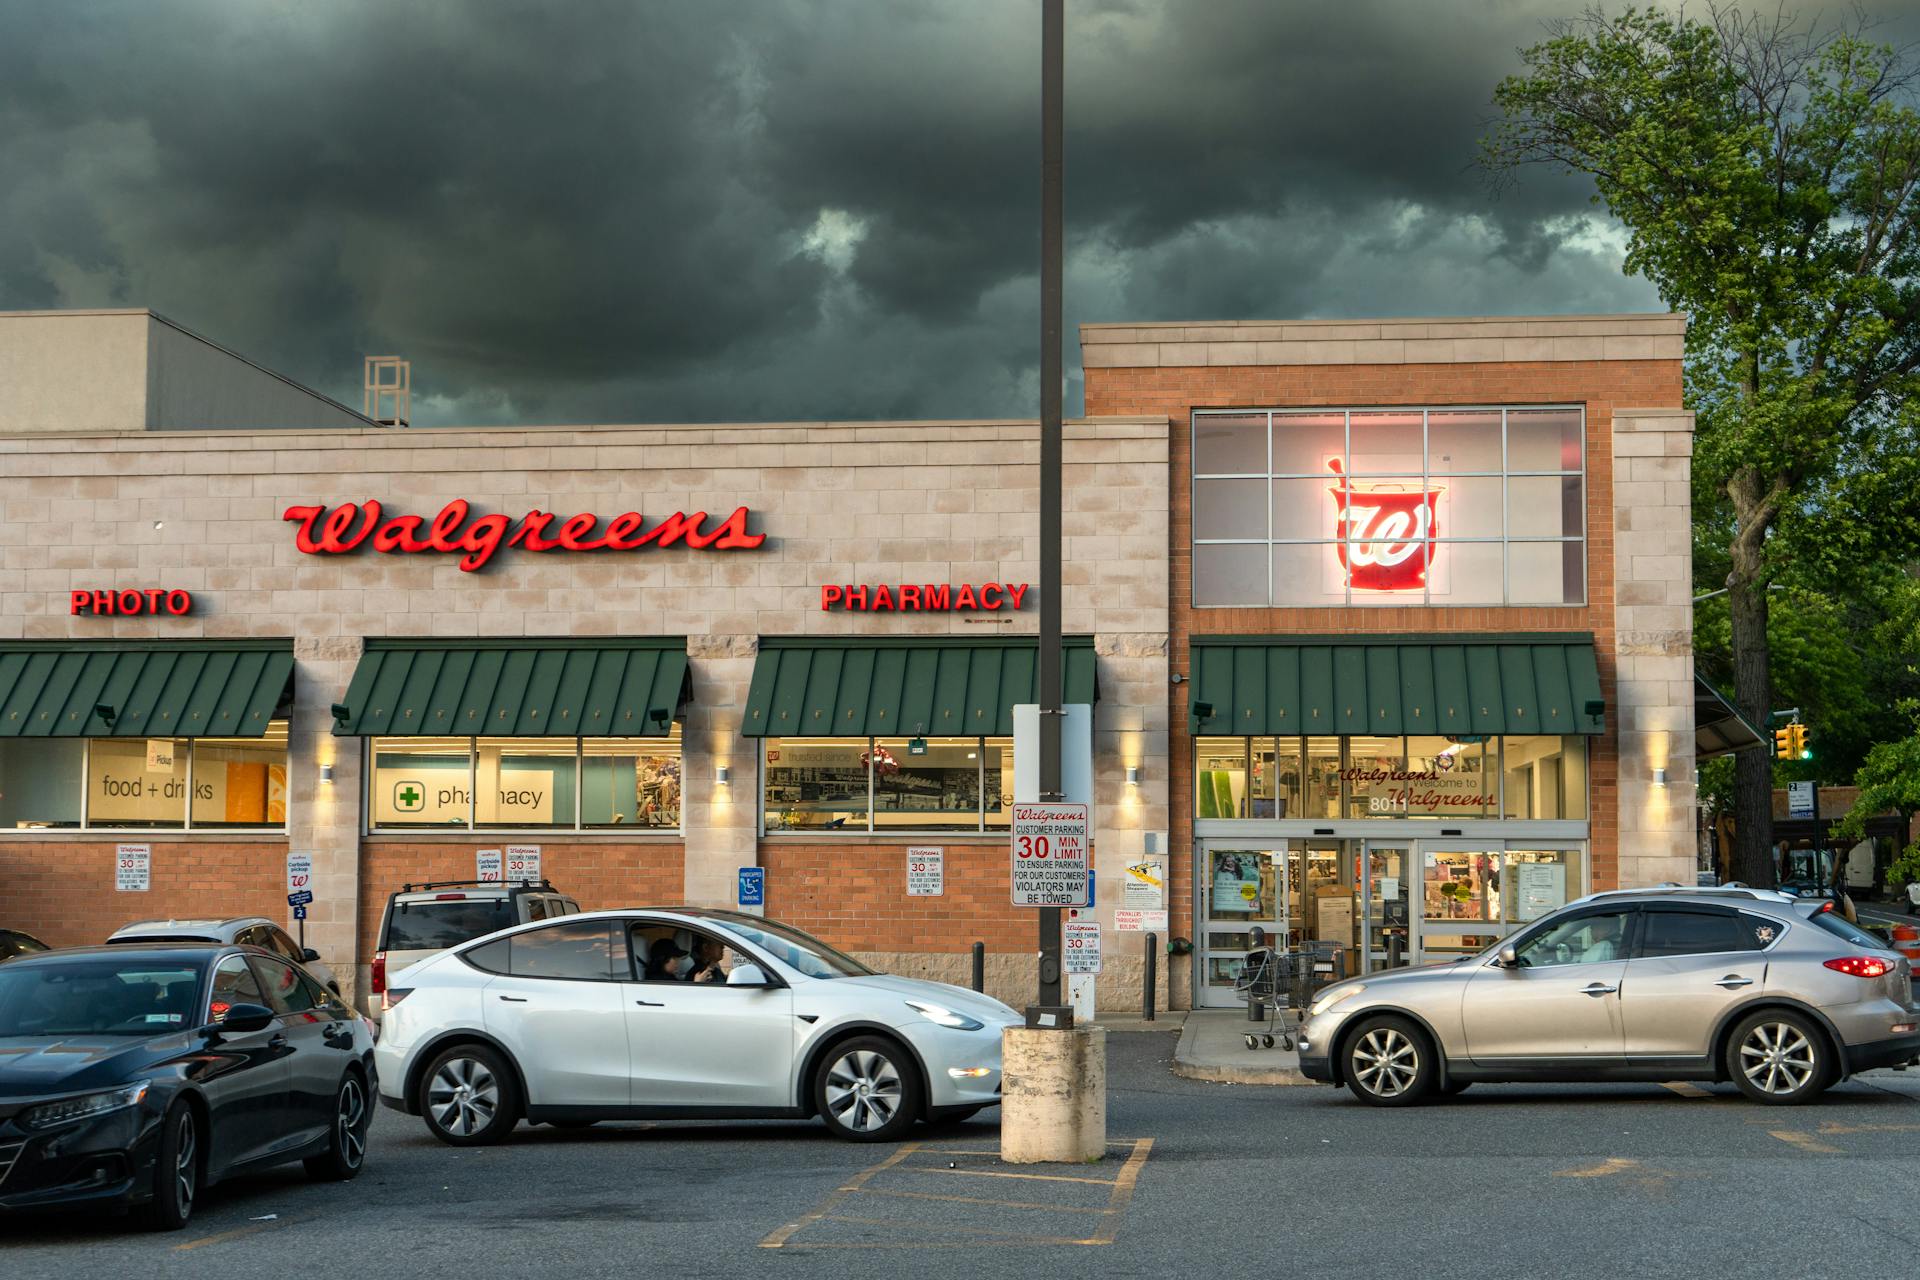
x,y
140,1075
15,943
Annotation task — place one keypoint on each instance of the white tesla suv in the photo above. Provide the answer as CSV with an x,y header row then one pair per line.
x,y
680,1013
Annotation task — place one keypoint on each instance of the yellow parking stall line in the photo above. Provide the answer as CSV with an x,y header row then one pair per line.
x,y
1829,1127
1805,1141
1002,1204
779,1237
252,1228
1606,1168
1123,1191
1686,1090
994,1242
995,1173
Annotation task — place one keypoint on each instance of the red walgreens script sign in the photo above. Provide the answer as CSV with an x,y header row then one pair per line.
x,y
351,525
1385,534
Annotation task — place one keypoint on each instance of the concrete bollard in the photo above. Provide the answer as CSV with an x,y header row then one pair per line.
x,y
1054,1095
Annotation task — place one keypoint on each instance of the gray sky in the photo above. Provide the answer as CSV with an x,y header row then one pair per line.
x,y
624,210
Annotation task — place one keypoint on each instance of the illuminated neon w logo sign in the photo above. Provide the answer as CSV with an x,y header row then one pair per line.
x,y
1386,535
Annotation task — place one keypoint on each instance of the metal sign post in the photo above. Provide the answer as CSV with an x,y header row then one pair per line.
x,y
1049,1009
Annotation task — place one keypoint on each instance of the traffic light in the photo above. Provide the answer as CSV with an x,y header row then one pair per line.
x,y
1783,742
1801,751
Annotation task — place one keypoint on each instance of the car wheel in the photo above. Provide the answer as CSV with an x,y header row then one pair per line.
x,y
867,1090
468,1098
1388,1063
1779,1058
347,1137
176,1170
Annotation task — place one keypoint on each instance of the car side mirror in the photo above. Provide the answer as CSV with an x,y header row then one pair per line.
x,y
243,1019
1509,958
749,975
308,953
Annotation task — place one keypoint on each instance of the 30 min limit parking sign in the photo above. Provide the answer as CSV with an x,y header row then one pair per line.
x,y
1050,855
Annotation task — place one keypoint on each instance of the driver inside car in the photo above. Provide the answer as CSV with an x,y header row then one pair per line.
x,y
1603,940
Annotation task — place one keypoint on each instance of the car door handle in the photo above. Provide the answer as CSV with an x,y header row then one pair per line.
x,y
652,1004
1734,980
1597,989
515,999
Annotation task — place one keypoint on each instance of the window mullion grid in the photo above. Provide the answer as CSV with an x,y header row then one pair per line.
x,y
579,783
473,783
1426,488
1267,498
872,787
1346,534
1506,485
980,784
190,754
86,778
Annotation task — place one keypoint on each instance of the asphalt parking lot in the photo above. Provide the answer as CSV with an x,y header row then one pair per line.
x,y
1233,1180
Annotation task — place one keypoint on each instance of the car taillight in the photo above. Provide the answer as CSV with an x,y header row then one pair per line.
x,y
379,972
449,897
1861,966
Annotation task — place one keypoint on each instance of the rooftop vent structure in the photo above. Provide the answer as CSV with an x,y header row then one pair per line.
x,y
389,391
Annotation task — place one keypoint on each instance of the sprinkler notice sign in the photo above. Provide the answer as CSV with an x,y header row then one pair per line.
x,y
1051,852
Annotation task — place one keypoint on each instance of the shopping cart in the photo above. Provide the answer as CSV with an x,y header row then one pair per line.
x,y
1267,982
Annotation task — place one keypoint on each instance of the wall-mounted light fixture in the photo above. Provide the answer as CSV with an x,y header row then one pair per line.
x,y
1133,775
326,773
1659,777
720,775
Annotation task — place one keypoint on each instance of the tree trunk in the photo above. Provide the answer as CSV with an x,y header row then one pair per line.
x,y
1753,860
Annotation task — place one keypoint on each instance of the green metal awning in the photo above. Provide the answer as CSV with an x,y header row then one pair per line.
x,y
516,688
1718,728
905,687
1394,685
144,689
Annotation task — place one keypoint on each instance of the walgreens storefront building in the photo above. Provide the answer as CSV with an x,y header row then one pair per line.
x,y
1385,633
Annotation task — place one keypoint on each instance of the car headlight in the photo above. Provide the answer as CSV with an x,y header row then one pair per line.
x,y
49,1114
944,1017
1333,998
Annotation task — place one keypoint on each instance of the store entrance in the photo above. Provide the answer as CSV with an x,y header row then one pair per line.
x,y
1347,899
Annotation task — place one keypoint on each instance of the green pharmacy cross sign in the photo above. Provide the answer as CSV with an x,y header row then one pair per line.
x,y
408,797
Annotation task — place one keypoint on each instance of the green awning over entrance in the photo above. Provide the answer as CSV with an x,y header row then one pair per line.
x,y
144,689
516,689
931,687
1394,685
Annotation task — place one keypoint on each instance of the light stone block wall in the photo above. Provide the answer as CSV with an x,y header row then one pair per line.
x,y
1653,617
840,503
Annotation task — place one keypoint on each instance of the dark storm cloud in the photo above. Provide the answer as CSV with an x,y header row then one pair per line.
x,y
631,211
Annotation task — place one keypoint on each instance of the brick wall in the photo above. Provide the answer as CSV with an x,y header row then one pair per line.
x,y
61,891
1600,384
855,896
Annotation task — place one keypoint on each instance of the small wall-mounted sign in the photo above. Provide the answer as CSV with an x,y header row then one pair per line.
x,y
143,603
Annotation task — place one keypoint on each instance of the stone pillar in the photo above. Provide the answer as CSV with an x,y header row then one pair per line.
x,y
1653,622
1053,1103
1129,728
721,821
323,818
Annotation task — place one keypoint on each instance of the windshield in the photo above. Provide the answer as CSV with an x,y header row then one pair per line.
x,y
98,996
791,947
437,925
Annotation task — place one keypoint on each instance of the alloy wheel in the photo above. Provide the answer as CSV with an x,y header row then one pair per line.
x,y
186,1162
1386,1062
350,1122
863,1090
463,1097
1777,1058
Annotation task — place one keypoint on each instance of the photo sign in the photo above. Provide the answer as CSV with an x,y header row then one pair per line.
x,y
133,868
1050,855
926,871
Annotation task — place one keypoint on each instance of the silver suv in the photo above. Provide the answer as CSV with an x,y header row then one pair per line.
x,y
1782,998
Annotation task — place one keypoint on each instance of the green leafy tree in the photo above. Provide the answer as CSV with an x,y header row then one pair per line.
x,y
1766,174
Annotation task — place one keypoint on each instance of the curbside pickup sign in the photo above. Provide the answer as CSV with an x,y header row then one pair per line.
x,y
1050,852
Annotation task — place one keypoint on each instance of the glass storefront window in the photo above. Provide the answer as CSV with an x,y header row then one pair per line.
x,y
1376,778
569,784
1276,778
524,782
1546,777
629,784
1460,886
1240,883
1390,507
938,789
823,784
241,782
1540,881
1322,782
124,789
1452,778
40,782
1220,778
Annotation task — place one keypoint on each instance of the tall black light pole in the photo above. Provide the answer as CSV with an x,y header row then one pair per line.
x,y
1051,1009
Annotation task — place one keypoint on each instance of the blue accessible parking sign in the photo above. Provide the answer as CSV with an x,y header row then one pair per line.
x,y
753,886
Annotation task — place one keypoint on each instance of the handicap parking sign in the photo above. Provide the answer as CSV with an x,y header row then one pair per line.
x,y
753,886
